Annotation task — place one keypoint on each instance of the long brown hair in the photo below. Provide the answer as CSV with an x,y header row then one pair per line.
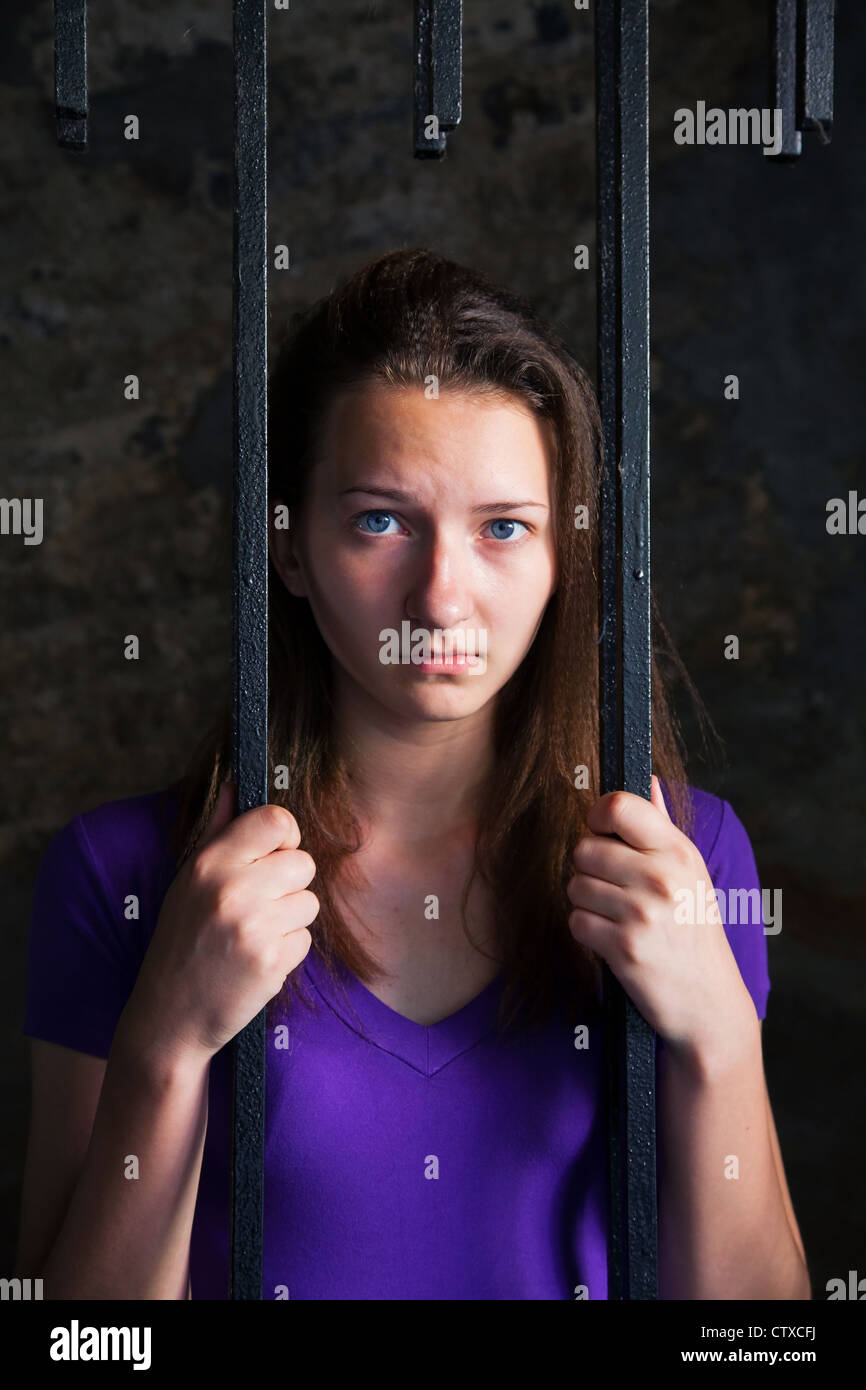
x,y
407,316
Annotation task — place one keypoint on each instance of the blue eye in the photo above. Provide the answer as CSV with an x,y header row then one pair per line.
x,y
377,515
507,521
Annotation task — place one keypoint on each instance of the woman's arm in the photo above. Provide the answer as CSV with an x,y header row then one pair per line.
x,y
726,1223
127,1236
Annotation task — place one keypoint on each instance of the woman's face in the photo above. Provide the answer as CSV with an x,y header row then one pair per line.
x,y
462,561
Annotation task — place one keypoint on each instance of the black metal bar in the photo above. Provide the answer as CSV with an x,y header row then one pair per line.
x,y
448,62
816,22
622,172
801,71
70,72
783,77
250,593
438,46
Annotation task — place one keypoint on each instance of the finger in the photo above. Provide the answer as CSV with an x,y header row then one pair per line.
x,y
593,931
606,857
257,832
281,873
223,812
297,913
599,898
634,818
658,799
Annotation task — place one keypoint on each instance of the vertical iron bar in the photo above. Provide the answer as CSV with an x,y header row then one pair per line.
x,y
424,146
802,42
607,372
448,62
783,76
815,75
70,72
438,73
636,677
250,593
622,164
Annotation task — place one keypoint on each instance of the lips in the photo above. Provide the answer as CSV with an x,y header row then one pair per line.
x,y
439,659
454,653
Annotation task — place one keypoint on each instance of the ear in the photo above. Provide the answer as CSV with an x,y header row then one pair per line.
x,y
283,550
657,799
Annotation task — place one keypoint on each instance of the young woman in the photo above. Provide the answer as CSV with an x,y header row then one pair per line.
x,y
425,904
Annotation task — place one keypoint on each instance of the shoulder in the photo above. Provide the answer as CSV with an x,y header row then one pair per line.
x,y
726,849
102,878
99,888
130,833
112,850
718,833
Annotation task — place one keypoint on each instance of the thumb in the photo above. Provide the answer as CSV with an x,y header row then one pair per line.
x,y
657,798
222,814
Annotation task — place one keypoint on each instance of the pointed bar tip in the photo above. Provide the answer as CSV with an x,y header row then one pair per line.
x,y
71,129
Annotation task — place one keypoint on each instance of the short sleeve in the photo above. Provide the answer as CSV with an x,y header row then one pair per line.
x,y
82,964
734,874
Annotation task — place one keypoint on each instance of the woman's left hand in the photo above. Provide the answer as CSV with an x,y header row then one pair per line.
x,y
634,905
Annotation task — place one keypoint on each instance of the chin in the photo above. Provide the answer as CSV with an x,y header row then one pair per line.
x,y
438,697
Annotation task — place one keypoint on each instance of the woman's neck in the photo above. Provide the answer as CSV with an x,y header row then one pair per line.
x,y
413,783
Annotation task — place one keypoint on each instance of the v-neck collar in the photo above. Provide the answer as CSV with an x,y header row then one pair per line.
x,y
426,1047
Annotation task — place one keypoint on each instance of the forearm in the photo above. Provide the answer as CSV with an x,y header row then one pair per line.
x,y
128,1236
723,1229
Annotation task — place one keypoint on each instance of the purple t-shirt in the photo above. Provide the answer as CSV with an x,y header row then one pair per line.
x,y
403,1161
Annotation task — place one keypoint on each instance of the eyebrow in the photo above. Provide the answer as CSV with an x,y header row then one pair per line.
x,y
397,496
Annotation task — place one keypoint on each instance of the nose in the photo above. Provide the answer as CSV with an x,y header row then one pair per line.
x,y
439,592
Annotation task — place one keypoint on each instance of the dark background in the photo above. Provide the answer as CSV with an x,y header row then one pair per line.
x,y
119,260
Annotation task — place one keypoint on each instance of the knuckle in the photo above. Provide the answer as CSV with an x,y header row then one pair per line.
x,y
281,818
271,814
242,934
618,804
584,860
268,961
306,864
645,914
303,940
199,869
683,854
630,947
224,902
309,904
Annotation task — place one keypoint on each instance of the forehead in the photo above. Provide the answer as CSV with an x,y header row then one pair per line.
x,y
402,437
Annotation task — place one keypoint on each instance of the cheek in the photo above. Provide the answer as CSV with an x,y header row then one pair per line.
x,y
334,573
520,594
351,603
358,595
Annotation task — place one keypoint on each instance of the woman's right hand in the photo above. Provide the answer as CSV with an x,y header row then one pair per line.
x,y
232,927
